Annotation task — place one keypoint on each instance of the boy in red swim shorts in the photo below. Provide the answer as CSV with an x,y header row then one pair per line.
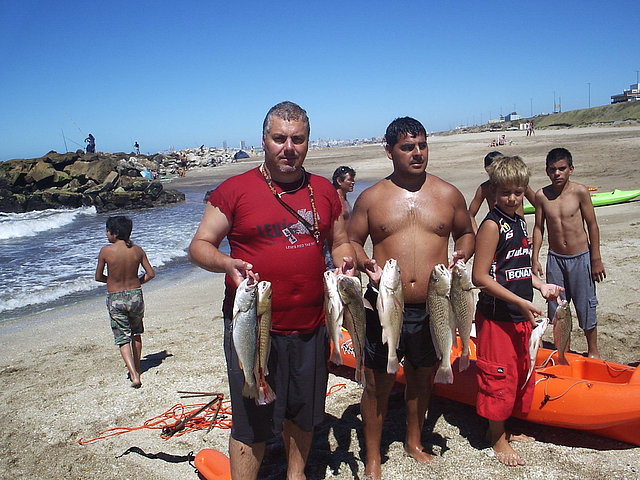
x,y
505,315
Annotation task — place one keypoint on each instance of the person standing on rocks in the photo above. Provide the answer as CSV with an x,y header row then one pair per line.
x,y
91,144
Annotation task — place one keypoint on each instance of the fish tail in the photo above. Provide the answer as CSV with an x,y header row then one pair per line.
x,y
527,379
464,363
265,394
392,364
360,378
336,359
444,374
249,390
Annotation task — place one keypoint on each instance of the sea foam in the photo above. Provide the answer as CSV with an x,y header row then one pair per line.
x,y
29,224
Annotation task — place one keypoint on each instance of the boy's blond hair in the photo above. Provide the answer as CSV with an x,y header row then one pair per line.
x,y
506,171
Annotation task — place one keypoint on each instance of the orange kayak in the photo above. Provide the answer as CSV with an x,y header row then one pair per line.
x,y
591,395
213,465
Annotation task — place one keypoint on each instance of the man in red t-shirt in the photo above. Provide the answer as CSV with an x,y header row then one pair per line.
x,y
276,218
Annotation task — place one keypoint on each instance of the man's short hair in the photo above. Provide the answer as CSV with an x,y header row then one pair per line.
x,y
120,226
341,173
506,171
489,157
288,111
403,126
558,154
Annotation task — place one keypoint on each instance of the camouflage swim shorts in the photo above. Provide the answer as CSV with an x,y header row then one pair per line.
x,y
126,310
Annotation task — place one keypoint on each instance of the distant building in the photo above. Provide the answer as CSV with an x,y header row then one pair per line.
x,y
512,117
633,94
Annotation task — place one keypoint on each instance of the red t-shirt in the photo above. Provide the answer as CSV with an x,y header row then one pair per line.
x,y
293,263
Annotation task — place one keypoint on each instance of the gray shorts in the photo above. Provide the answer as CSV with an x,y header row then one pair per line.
x,y
573,272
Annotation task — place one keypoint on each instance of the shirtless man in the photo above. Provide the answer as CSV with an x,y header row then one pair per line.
x,y
124,298
485,191
573,260
409,216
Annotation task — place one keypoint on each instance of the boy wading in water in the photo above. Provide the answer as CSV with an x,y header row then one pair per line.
x,y
505,315
573,260
124,298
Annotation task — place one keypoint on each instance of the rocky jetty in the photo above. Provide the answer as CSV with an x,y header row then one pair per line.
x,y
105,180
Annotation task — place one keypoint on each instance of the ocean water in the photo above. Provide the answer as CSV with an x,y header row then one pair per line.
x,y
48,258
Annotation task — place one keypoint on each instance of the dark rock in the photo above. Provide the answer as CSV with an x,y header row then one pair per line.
x,y
12,202
78,179
94,170
41,174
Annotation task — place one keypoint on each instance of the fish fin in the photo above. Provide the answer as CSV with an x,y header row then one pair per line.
x,y
444,374
398,304
335,355
392,365
265,394
249,391
527,379
367,304
435,344
464,363
380,303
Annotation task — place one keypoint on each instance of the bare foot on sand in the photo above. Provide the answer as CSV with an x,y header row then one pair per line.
x,y
418,454
373,470
520,437
510,459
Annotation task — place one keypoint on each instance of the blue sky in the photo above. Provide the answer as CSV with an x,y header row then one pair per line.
x,y
186,73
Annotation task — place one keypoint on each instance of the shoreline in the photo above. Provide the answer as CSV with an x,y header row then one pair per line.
x,y
63,378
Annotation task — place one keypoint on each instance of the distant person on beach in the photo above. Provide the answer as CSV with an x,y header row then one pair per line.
x,y
486,191
91,144
137,147
573,259
410,216
124,298
505,314
182,165
276,218
530,129
344,179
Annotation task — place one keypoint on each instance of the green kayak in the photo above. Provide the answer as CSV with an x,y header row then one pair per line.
x,y
600,199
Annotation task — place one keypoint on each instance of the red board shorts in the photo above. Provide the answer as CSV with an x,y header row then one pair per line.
x,y
503,364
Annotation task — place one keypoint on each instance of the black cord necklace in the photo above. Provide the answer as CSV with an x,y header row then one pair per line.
x,y
313,229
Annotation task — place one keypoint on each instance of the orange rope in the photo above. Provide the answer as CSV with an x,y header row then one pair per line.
x,y
209,418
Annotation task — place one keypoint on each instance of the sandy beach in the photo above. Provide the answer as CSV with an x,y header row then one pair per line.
x,y
63,379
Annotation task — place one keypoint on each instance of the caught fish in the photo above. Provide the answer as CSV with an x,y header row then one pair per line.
x,y
350,290
441,329
245,332
562,324
390,306
263,313
463,307
535,340
333,313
